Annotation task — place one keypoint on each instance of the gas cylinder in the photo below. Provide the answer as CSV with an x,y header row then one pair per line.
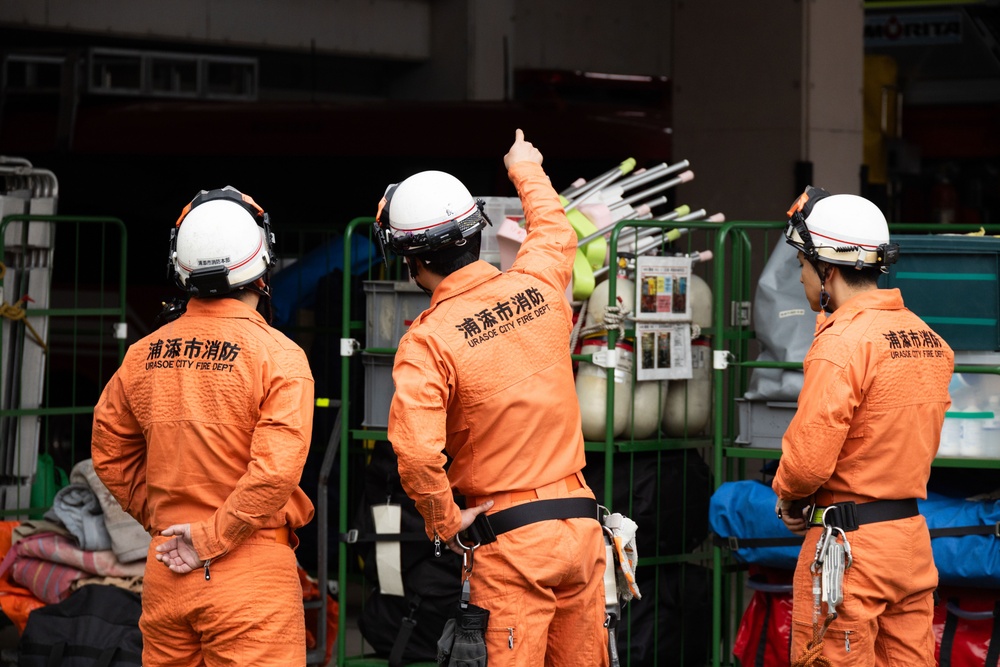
x,y
644,413
592,388
700,295
688,403
598,301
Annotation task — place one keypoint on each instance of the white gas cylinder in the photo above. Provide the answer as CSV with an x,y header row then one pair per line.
x,y
644,413
592,389
700,295
598,301
688,403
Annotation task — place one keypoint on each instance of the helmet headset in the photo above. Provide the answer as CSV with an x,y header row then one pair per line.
x,y
843,230
433,211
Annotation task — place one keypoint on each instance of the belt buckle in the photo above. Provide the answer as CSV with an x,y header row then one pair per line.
x,y
842,515
481,532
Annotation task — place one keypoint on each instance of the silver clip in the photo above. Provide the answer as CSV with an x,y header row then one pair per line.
x,y
833,575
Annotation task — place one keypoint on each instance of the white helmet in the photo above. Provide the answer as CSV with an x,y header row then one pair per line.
x,y
429,211
222,241
840,229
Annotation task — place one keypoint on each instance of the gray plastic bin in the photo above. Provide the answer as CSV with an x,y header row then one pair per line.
x,y
763,423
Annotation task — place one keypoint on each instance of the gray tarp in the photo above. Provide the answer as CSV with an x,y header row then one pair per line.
x,y
784,325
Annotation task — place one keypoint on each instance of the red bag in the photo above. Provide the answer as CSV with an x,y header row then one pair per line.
x,y
967,630
310,591
764,636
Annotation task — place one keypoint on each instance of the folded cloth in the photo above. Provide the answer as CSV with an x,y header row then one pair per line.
x,y
129,540
133,584
76,507
35,526
49,582
48,564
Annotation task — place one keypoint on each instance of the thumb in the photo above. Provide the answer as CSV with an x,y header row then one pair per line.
x,y
479,509
170,531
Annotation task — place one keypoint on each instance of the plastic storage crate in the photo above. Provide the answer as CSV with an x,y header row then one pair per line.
x,y
951,283
378,389
763,423
390,307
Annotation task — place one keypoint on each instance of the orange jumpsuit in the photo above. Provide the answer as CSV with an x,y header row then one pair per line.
x,y
867,428
485,374
208,422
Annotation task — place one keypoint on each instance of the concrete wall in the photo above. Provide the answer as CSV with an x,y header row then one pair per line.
x,y
476,44
758,88
754,95
381,28
631,37
468,48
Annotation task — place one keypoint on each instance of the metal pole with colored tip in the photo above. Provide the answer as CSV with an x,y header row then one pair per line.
x,y
680,210
588,189
683,177
642,177
644,209
683,209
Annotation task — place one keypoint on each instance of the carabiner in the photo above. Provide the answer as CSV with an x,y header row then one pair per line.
x,y
468,556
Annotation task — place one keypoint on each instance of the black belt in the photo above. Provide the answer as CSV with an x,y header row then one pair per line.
x,y
485,529
849,515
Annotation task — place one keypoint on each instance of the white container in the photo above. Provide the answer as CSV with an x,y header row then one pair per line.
x,y
687,405
991,430
598,300
592,389
644,413
971,441
951,437
700,295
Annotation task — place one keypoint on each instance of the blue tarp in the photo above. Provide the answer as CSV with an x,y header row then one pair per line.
x,y
745,510
294,286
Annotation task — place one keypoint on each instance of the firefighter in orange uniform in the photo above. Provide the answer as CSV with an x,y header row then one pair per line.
x,y
857,455
484,375
201,435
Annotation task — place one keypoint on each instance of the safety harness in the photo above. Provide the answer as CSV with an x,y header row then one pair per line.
x,y
620,552
833,558
484,529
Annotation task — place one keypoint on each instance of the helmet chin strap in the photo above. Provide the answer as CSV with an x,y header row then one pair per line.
x,y
824,299
824,296
414,267
261,288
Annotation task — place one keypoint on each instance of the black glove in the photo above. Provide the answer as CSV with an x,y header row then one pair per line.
x,y
463,641
446,642
469,649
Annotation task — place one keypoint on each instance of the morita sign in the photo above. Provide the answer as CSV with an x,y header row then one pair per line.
x,y
913,29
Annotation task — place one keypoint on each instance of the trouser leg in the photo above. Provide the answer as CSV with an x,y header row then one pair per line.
x,y
249,613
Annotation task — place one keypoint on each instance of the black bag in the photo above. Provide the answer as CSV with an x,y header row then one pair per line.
x,y
404,629
665,493
96,626
671,625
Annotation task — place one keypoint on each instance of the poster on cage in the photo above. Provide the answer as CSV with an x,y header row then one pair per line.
x,y
664,351
662,294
